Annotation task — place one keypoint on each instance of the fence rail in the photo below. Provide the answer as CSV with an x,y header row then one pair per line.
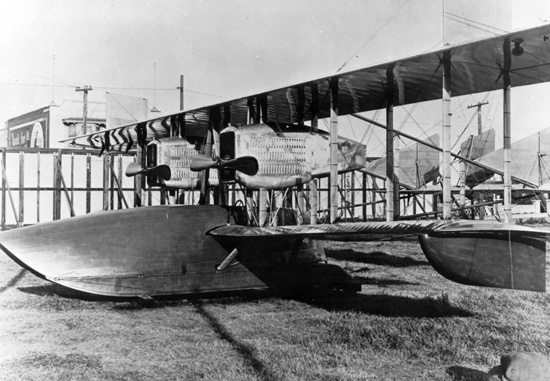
x,y
40,184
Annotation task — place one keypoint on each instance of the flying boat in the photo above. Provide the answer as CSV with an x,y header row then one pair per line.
x,y
270,141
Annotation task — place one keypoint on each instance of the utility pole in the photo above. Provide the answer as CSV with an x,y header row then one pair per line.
x,y
478,105
180,88
85,90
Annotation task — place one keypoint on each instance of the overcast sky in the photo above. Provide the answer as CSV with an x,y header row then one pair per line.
x,y
227,48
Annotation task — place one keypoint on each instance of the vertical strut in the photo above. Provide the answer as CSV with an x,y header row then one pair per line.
x,y
507,132
391,210
446,162
333,149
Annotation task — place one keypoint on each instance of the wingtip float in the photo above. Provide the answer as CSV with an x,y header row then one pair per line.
x,y
489,254
113,254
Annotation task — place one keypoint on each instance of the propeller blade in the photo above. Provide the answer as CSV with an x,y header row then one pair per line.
x,y
202,162
133,169
245,164
163,171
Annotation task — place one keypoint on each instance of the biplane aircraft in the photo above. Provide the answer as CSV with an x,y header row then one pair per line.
x,y
262,141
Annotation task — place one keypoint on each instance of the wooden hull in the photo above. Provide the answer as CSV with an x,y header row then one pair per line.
x,y
136,252
148,251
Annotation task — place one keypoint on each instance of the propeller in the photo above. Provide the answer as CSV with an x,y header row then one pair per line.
x,y
162,171
245,164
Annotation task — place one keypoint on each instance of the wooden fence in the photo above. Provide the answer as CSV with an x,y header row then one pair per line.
x,y
42,184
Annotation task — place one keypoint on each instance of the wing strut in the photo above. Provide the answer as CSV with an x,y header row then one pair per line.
x,y
227,261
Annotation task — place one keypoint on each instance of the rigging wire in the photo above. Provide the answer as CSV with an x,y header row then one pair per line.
x,y
470,22
371,37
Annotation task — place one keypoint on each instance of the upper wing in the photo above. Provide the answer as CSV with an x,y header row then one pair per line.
x,y
476,67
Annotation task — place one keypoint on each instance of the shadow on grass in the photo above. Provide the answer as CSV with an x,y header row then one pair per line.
x,y
247,352
383,282
386,305
51,289
374,258
13,281
460,373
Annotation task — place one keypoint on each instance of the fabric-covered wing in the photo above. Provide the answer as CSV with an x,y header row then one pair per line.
x,y
475,67
356,231
478,253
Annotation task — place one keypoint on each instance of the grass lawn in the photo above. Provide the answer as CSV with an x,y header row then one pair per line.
x,y
407,323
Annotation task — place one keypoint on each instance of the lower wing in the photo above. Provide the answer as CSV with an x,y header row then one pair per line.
x,y
474,253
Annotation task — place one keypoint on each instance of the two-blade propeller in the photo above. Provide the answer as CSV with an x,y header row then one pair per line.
x,y
245,164
162,171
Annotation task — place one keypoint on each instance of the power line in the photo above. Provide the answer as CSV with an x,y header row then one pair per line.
x,y
113,88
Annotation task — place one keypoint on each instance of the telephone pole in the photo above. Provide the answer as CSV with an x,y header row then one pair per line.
x,y
180,88
478,105
85,90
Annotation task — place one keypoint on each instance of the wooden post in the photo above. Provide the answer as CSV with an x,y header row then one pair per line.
x,y
106,176
85,90
539,160
57,186
343,196
111,183
263,207
120,184
446,133
38,186
3,190
333,198
300,203
21,186
72,177
6,187
88,182
373,197
462,183
364,192
313,201
352,202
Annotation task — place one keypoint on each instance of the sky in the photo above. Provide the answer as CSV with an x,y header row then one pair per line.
x,y
229,48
